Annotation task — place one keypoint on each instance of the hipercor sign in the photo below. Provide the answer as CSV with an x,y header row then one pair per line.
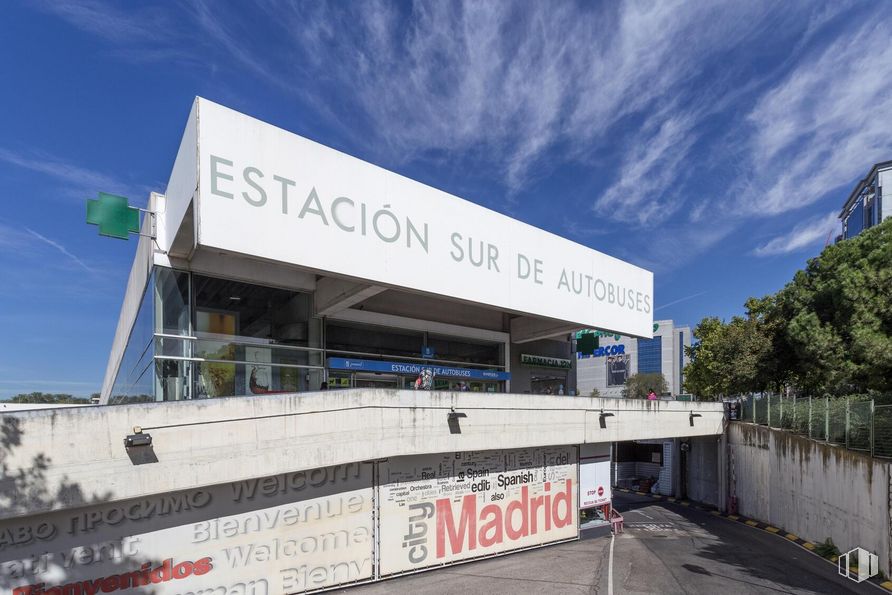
x,y
444,508
270,194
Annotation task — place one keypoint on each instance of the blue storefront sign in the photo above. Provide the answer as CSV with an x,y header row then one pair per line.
x,y
369,365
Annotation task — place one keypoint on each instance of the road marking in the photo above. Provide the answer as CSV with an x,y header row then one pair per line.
x,y
610,567
771,529
752,523
808,545
644,514
733,517
791,537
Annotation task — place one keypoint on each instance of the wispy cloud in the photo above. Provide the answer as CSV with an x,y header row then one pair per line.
x,y
79,181
62,249
680,300
805,235
109,21
823,125
782,102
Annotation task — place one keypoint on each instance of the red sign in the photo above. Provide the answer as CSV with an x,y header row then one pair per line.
x,y
600,490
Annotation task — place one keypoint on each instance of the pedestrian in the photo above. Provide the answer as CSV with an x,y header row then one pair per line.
x,y
651,395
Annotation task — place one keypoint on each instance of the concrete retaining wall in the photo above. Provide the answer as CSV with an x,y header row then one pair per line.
x,y
810,489
65,458
703,470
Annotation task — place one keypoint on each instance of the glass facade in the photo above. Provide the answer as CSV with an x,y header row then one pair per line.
x,y
681,361
650,355
855,220
376,343
199,337
135,380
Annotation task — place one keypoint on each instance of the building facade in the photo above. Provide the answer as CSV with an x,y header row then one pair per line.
x,y
276,265
618,357
864,207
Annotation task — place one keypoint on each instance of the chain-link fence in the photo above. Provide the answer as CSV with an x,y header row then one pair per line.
x,y
857,422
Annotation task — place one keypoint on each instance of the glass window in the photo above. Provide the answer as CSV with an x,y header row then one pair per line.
x,y
855,220
254,339
466,350
172,303
373,340
650,357
135,382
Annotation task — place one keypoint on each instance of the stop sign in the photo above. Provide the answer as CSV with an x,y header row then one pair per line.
x,y
600,490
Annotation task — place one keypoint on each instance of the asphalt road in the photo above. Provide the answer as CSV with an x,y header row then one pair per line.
x,y
666,548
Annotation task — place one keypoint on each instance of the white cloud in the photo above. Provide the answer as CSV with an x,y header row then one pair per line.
x,y
105,20
62,249
80,181
805,235
824,125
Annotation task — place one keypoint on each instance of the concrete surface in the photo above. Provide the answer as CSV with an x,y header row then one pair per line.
x,y
77,455
811,489
665,549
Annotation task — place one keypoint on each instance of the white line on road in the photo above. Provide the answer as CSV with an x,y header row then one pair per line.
x,y
610,567
644,514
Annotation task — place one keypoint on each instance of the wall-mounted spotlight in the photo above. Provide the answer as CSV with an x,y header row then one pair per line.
x,y
692,416
455,415
452,419
137,438
602,419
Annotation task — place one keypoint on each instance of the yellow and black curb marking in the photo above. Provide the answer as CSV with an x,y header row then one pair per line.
x,y
752,523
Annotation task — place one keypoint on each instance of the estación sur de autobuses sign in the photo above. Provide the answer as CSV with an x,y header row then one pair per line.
x,y
272,194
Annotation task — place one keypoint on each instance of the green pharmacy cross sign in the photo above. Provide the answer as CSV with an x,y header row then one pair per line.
x,y
115,218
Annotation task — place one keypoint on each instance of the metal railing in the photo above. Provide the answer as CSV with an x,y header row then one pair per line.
x,y
856,422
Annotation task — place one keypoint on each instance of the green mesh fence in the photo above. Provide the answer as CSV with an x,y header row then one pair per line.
x,y
857,422
882,431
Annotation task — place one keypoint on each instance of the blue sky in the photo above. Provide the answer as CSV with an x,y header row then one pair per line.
x,y
710,142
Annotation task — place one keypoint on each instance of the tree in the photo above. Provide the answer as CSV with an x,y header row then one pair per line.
x,y
49,398
638,385
839,316
828,331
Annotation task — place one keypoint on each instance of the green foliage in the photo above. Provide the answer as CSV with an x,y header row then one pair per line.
x,y
638,385
49,398
827,549
828,332
595,393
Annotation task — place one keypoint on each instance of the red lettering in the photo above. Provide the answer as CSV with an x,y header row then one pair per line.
x,y
202,566
521,506
535,505
110,584
145,576
182,570
467,524
494,525
564,497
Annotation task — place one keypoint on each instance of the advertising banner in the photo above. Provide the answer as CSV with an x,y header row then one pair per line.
x,y
287,533
267,193
443,508
618,369
594,475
